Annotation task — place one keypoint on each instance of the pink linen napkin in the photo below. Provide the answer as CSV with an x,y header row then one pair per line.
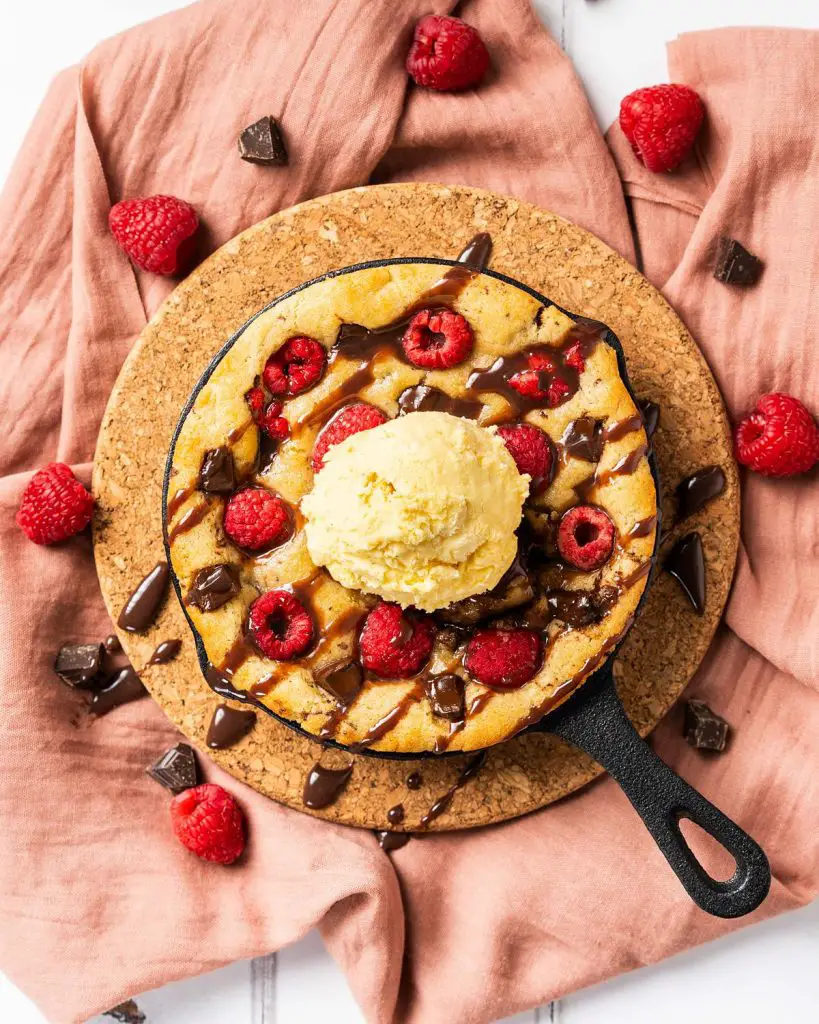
x,y
455,928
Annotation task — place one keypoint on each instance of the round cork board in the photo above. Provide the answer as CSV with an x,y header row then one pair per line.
x,y
558,259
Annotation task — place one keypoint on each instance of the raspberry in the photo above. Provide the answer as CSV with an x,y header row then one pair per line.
x,y
297,366
393,644
661,123
156,233
437,339
503,658
267,417
255,400
538,382
207,821
280,626
257,520
446,54
532,451
54,506
573,356
585,537
352,419
780,438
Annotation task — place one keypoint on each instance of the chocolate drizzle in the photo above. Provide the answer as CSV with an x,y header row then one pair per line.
x,y
686,563
124,687
389,721
469,771
193,517
423,398
395,815
228,726
165,652
642,528
414,780
695,491
221,685
583,439
651,416
477,251
389,841
141,607
325,785
624,467
178,500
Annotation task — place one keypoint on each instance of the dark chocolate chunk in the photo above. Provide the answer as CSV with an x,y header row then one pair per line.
x,y
111,644
343,684
217,474
176,770
583,439
141,607
228,726
695,491
704,729
686,563
262,143
514,590
424,398
127,1012
79,665
213,586
446,697
579,608
735,265
165,652
124,687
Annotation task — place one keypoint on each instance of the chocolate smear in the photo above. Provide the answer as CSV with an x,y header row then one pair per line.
x,y
414,780
213,586
111,644
583,439
343,684
477,251
141,607
446,696
423,398
165,652
262,143
221,685
695,491
650,412
228,726
470,769
127,1012
686,563
124,687
704,729
579,608
176,770
395,815
389,841
325,785
217,474
79,665
733,264
514,589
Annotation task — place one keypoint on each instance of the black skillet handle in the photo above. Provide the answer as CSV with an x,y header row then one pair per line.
x,y
596,722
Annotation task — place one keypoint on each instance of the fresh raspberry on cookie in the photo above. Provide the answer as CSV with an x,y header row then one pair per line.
x,y
661,124
207,821
256,519
352,419
446,54
156,232
779,438
585,537
54,506
255,399
573,356
541,381
503,658
395,644
280,626
297,366
532,451
437,339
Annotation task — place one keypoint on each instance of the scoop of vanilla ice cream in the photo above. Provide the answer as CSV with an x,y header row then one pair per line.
x,y
421,510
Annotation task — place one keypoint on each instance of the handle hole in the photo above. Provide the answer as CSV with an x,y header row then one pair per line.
x,y
711,854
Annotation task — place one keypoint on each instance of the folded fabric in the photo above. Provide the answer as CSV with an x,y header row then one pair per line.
x,y
97,901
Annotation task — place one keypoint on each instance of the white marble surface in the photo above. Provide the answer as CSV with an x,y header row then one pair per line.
x,y
762,975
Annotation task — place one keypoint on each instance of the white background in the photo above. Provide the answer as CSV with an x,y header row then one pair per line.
x,y
766,974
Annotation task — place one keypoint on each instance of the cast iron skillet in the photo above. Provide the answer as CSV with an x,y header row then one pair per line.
x,y
593,718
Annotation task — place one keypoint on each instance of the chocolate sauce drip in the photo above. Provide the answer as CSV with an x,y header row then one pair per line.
x,y
389,841
625,467
470,770
395,815
514,589
686,563
583,439
141,607
414,780
634,576
111,644
642,528
193,517
343,684
165,652
217,474
178,500
213,586
389,721
237,654
695,491
340,396
262,688
477,251
423,398
580,608
622,428
228,726
221,685
651,416
496,378
239,432
446,696
123,688
325,785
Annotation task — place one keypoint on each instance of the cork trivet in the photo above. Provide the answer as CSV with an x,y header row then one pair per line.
x,y
562,261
